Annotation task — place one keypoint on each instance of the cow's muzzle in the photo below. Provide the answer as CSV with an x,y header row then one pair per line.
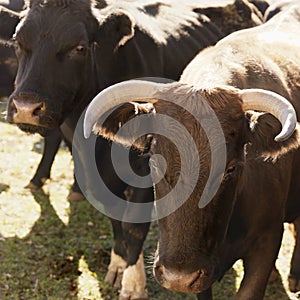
x,y
195,282
26,110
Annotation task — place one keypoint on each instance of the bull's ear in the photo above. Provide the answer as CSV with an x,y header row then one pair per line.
x,y
115,30
263,128
8,22
115,119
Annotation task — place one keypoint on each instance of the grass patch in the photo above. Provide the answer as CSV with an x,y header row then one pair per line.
x,y
53,249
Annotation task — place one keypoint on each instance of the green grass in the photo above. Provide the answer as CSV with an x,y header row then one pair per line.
x,y
53,249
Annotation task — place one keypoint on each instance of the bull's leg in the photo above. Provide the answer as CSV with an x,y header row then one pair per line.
x,y
51,146
206,295
294,277
258,265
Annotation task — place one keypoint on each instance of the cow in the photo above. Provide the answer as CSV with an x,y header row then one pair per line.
x,y
246,18
80,47
8,70
247,184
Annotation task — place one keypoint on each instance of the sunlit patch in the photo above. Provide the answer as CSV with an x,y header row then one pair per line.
x,y
285,255
88,286
18,213
239,269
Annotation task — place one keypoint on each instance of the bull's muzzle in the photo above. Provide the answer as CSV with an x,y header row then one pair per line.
x,y
195,282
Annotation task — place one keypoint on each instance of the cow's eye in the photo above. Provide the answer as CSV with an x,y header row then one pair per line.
x,y
80,48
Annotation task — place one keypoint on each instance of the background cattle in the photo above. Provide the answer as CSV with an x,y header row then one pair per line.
x,y
259,187
8,62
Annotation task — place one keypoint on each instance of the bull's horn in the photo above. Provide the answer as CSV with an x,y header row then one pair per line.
x,y
120,93
278,106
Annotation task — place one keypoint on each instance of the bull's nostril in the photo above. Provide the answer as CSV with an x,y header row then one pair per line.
x,y
38,111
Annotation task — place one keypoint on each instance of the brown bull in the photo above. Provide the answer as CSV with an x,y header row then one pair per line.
x,y
248,73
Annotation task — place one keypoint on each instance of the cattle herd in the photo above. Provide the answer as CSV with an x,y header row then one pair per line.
x,y
64,64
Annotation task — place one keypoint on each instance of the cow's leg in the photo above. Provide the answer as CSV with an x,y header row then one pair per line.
x,y
134,281
206,295
75,192
258,265
294,277
134,277
118,257
51,146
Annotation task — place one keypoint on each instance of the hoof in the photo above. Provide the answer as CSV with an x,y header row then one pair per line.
x,y
110,277
75,196
294,284
34,187
31,186
114,277
3,187
126,295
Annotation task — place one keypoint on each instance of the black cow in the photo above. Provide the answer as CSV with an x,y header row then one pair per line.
x,y
80,47
8,62
8,70
235,210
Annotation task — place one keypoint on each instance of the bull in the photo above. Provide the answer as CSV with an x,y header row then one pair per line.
x,y
80,47
239,201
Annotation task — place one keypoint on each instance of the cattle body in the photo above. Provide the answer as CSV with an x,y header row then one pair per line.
x,y
80,47
245,74
8,61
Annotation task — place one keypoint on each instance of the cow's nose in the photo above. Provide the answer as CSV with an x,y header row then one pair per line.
x,y
27,112
194,282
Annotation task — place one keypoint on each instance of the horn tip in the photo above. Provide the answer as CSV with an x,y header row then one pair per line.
x,y
87,131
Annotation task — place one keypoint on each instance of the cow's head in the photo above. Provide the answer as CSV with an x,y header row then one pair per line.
x,y
55,44
191,237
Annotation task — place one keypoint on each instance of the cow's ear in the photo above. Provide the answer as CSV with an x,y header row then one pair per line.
x,y
8,22
114,120
263,128
115,30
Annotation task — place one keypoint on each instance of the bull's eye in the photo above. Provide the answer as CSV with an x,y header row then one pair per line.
x,y
230,171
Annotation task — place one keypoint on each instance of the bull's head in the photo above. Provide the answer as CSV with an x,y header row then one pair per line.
x,y
55,45
191,237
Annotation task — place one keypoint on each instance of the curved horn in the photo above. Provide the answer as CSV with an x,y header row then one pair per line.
x,y
120,93
278,106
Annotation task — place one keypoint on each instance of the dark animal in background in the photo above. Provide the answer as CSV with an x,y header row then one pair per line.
x,y
251,70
